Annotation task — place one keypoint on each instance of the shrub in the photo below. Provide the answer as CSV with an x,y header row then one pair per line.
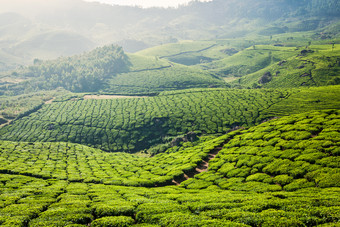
x,y
298,184
311,157
199,184
118,221
260,177
283,179
102,210
225,168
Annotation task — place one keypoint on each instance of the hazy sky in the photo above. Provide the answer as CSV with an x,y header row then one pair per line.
x,y
146,3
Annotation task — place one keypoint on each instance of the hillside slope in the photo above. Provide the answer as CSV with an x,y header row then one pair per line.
x,y
289,153
316,65
284,60
107,69
285,170
133,124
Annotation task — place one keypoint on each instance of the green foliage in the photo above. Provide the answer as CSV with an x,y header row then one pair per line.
x,y
165,78
78,163
71,204
119,221
283,172
138,123
297,157
315,66
81,73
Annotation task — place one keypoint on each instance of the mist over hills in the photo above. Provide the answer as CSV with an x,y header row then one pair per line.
x,y
46,30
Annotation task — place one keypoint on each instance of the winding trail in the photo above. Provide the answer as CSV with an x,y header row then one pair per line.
x,y
202,167
50,101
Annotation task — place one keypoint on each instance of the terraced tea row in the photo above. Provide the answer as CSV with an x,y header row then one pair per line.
x,y
78,163
27,201
156,80
290,153
136,124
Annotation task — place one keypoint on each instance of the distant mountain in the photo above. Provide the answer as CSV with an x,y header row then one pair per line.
x,y
46,29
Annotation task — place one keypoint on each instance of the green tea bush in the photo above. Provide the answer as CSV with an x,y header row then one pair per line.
x,y
283,179
260,177
297,184
118,221
121,208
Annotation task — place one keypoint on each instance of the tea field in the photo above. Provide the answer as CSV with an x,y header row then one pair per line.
x,y
284,172
289,153
135,124
316,65
28,201
78,163
228,132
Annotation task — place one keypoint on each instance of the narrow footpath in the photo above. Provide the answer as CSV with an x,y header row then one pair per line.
x,y
202,167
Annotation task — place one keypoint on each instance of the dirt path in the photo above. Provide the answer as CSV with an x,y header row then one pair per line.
x,y
50,101
202,167
7,123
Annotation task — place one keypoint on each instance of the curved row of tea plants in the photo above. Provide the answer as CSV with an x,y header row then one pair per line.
x,y
294,152
156,80
78,163
137,123
27,201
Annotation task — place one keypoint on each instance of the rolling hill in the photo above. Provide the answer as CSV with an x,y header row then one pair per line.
x,y
232,121
133,124
136,28
68,184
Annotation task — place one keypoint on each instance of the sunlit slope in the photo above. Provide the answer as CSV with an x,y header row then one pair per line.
x,y
289,153
249,60
173,49
291,62
79,163
138,123
107,70
285,170
149,75
317,65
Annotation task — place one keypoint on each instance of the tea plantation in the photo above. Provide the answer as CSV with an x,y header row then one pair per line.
x,y
289,153
225,132
78,163
138,123
316,65
284,172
